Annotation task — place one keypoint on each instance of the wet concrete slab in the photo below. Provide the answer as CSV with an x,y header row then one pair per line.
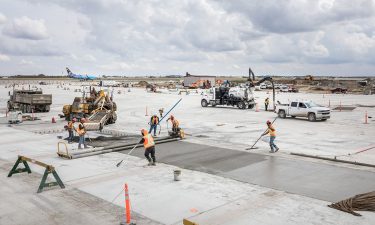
x,y
311,179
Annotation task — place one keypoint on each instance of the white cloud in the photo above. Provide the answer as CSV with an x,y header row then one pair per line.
x,y
26,28
3,18
26,62
4,58
202,36
116,66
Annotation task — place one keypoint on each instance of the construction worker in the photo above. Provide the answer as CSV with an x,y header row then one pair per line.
x,y
149,144
271,130
266,103
161,111
81,131
175,124
154,121
70,129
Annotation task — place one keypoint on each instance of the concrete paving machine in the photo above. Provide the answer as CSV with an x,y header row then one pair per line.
x,y
98,110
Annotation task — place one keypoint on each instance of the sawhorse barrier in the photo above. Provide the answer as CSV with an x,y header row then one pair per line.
x,y
49,169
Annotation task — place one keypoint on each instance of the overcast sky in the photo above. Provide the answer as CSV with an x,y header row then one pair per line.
x,y
222,37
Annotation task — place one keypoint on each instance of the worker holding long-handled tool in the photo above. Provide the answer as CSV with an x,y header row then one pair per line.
x,y
149,144
269,123
271,130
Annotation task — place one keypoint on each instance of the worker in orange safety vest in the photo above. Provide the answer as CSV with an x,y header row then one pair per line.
x,y
149,145
70,128
175,123
81,131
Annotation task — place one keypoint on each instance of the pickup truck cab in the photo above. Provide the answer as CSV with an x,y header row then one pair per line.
x,y
307,109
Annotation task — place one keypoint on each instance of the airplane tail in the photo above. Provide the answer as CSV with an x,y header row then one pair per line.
x,y
69,72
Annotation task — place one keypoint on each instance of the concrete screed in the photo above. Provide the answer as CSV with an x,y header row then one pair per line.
x,y
205,198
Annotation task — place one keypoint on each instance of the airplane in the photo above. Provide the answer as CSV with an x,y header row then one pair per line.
x,y
78,76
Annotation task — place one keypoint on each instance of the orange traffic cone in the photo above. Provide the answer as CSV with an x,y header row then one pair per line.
x,y
127,208
53,120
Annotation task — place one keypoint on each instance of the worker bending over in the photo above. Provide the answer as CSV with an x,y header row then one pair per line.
x,y
149,144
175,124
81,132
154,121
271,130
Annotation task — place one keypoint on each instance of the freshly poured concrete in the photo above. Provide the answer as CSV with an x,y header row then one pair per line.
x,y
315,180
20,204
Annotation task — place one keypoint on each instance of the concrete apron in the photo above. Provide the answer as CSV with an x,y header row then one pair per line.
x,y
320,181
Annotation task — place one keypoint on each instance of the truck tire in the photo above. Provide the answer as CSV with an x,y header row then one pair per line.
x,y
114,117
9,106
204,103
47,108
311,117
251,106
281,114
23,109
28,108
241,105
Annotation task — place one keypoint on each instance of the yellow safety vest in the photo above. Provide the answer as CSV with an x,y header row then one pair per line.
x,y
272,131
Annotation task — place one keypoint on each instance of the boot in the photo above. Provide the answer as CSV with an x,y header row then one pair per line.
x,y
277,149
79,146
153,163
149,163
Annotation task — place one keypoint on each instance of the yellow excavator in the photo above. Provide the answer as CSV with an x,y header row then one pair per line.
x,y
98,110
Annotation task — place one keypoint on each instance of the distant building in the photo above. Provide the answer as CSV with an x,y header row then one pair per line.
x,y
190,80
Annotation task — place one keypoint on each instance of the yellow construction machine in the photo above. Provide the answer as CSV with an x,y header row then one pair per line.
x,y
98,109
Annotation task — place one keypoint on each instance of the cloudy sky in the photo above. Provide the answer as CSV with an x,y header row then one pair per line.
x,y
158,37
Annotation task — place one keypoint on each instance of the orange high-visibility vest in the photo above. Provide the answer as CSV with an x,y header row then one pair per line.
x,y
81,132
175,123
272,131
70,125
148,141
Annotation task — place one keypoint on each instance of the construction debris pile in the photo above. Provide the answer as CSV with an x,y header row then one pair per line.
x,y
362,202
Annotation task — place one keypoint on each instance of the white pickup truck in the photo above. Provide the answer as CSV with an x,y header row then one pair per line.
x,y
303,109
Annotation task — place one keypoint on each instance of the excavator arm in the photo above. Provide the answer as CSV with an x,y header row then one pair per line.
x,y
252,82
